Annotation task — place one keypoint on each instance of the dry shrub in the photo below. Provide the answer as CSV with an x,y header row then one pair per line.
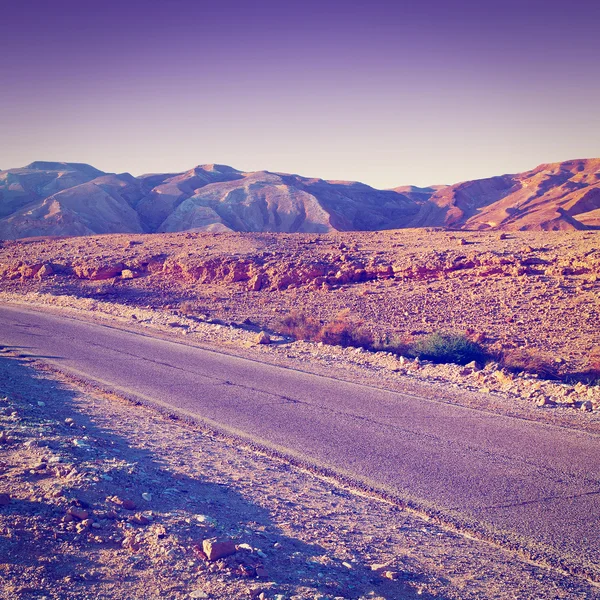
x,y
530,361
300,326
192,309
187,308
342,331
345,331
593,363
479,337
395,343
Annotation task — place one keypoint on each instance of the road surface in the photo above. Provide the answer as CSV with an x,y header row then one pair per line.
x,y
513,479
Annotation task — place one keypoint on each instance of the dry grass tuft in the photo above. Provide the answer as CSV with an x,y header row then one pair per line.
x,y
342,331
345,331
530,361
300,326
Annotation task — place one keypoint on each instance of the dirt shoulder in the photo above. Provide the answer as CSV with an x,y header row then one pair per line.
x,y
102,501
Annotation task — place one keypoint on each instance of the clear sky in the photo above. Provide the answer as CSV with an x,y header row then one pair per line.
x,y
389,93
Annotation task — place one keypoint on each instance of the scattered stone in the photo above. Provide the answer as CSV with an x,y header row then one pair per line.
x,y
393,575
84,526
215,548
587,406
473,365
244,547
139,519
78,513
198,594
147,496
263,338
543,401
125,503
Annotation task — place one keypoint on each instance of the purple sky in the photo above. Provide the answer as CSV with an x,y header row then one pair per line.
x,y
389,93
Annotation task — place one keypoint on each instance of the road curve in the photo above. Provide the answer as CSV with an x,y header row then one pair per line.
x,y
512,479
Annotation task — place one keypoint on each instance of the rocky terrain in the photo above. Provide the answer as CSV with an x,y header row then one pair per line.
x,y
71,199
532,290
105,509
555,196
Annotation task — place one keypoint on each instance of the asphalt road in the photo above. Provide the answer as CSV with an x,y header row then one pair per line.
x,y
514,479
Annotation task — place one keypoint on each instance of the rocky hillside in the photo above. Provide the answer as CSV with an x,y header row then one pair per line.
x,y
71,199
550,197
66,199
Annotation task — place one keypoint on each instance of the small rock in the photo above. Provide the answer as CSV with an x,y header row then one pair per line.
x,y
263,338
84,526
139,519
393,575
262,572
124,503
473,365
215,548
40,403
147,496
78,513
244,547
127,274
586,406
198,594
543,401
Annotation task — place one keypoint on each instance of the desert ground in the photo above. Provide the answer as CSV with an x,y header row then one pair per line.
x,y
537,290
74,458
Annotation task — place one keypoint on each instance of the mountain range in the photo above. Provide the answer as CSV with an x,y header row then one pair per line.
x,y
68,199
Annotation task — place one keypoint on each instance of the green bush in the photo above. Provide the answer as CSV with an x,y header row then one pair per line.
x,y
444,347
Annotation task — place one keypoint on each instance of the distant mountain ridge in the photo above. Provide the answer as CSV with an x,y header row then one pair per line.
x,y
66,199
